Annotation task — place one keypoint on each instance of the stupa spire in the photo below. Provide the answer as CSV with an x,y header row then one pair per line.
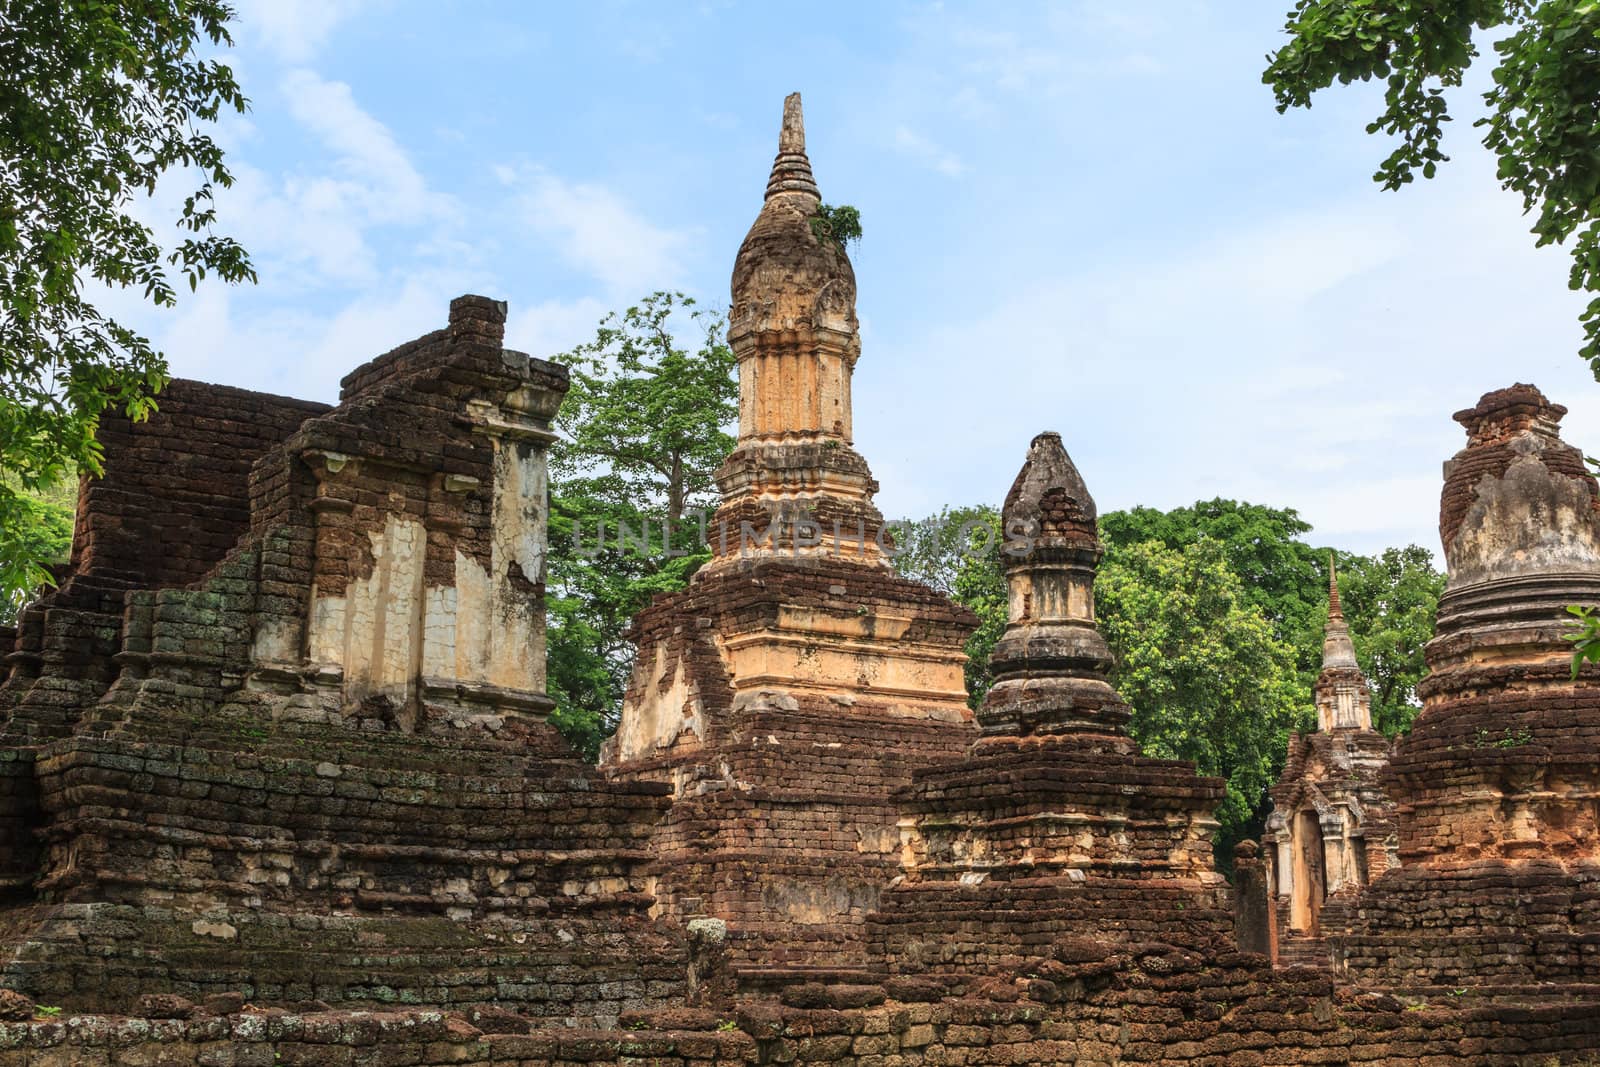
x,y
1337,648
1343,700
793,330
791,171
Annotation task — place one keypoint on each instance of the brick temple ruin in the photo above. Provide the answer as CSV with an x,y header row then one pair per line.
x,y
1331,830
277,784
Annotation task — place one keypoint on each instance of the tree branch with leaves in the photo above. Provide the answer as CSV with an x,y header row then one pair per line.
x,y
98,100
1541,105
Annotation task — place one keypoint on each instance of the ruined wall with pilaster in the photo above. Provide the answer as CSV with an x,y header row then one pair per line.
x,y
321,769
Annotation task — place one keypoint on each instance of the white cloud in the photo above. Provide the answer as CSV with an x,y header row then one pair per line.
x,y
312,226
1310,361
357,252
226,335
375,176
293,30
598,232
920,148
550,328
1050,59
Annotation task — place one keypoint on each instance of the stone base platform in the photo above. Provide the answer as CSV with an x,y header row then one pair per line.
x,y
559,972
1145,1006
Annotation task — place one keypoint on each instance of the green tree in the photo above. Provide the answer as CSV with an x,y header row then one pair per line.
x,y
957,552
43,535
1585,636
1540,104
1201,666
641,435
1281,575
1390,600
98,99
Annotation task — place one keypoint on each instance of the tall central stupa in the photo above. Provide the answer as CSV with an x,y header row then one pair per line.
x,y
798,681
794,475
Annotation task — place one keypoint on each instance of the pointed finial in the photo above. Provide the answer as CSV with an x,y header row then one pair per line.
x,y
1049,496
1335,611
791,171
792,138
1341,694
1337,650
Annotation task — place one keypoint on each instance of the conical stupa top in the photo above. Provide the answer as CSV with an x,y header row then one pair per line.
x,y
1049,497
1343,700
789,285
791,171
1337,649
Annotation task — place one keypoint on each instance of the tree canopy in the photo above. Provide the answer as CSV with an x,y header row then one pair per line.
x,y
98,100
957,552
1539,108
640,438
1280,574
1206,676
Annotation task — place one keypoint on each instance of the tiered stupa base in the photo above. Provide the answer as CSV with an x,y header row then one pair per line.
x,y
786,702
1030,841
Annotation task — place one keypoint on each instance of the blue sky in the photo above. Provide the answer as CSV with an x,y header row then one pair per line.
x,y
1085,217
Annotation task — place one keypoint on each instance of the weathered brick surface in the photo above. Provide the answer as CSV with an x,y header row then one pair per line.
x,y
558,969
784,823
230,795
171,503
1148,1007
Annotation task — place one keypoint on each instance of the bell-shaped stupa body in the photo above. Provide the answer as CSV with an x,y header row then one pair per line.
x,y
794,486
1520,522
1049,667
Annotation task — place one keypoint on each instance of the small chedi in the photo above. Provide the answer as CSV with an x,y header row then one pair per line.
x,y
1053,824
276,782
1332,827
